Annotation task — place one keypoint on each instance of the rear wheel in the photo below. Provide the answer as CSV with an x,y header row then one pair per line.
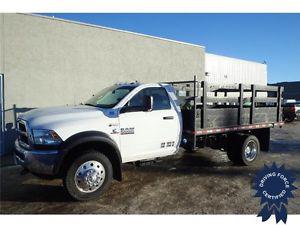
x,y
243,149
88,176
289,119
189,149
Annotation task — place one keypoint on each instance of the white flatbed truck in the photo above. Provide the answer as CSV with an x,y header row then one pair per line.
x,y
85,145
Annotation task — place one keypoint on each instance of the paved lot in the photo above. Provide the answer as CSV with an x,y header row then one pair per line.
x,y
201,183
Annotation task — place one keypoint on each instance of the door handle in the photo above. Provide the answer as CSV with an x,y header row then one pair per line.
x,y
168,117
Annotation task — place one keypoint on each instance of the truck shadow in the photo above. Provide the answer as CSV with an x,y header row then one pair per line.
x,y
194,165
35,193
28,188
212,164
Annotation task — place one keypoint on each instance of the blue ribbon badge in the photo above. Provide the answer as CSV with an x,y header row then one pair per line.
x,y
274,185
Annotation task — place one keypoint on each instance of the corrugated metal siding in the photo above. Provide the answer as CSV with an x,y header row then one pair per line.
x,y
221,69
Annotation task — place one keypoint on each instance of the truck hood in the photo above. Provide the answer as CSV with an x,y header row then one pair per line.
x,y
49,118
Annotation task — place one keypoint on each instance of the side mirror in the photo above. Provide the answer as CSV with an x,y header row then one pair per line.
x,y
149,103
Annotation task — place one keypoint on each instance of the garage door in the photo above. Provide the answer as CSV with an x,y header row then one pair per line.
x,y
1,114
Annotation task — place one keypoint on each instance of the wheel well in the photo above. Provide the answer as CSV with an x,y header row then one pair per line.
x,y
105,148
263,136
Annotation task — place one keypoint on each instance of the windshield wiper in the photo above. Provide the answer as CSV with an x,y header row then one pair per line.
x,y
105,106
89,104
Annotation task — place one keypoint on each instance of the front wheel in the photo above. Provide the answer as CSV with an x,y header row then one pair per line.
x,y
244,149
88,176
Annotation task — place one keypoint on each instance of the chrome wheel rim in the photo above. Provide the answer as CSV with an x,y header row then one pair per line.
x,y
89,176
251,151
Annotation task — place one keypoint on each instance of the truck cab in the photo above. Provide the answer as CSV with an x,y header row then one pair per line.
x,y
86,144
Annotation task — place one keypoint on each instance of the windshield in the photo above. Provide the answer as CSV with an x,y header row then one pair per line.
x,y
109,97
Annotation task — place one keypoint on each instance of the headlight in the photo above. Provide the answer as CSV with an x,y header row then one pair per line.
x,y
46,137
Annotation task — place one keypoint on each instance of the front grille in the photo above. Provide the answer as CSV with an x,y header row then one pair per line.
x,y
22,126
22,132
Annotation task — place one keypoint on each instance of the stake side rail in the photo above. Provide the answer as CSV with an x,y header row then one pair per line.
x,y
213,108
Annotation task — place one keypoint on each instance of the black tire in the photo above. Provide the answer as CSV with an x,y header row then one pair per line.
x,y
69,181
289,119
238,146
233,147
231,154
189,149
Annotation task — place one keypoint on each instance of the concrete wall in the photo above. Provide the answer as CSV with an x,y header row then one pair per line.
x,y
1,91
1,43
50,62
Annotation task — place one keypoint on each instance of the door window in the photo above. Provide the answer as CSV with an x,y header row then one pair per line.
x,y
160,100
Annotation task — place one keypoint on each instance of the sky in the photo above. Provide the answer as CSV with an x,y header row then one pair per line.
x,y
274,38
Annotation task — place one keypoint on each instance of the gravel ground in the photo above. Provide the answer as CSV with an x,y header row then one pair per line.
x,y
200,183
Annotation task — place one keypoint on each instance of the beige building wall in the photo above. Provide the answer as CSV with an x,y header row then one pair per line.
x,y
1,43
50,62
1,92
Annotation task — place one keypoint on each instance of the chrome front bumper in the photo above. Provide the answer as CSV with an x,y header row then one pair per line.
x,y
36,161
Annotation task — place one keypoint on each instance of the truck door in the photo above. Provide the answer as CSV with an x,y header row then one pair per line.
x,y
148,134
